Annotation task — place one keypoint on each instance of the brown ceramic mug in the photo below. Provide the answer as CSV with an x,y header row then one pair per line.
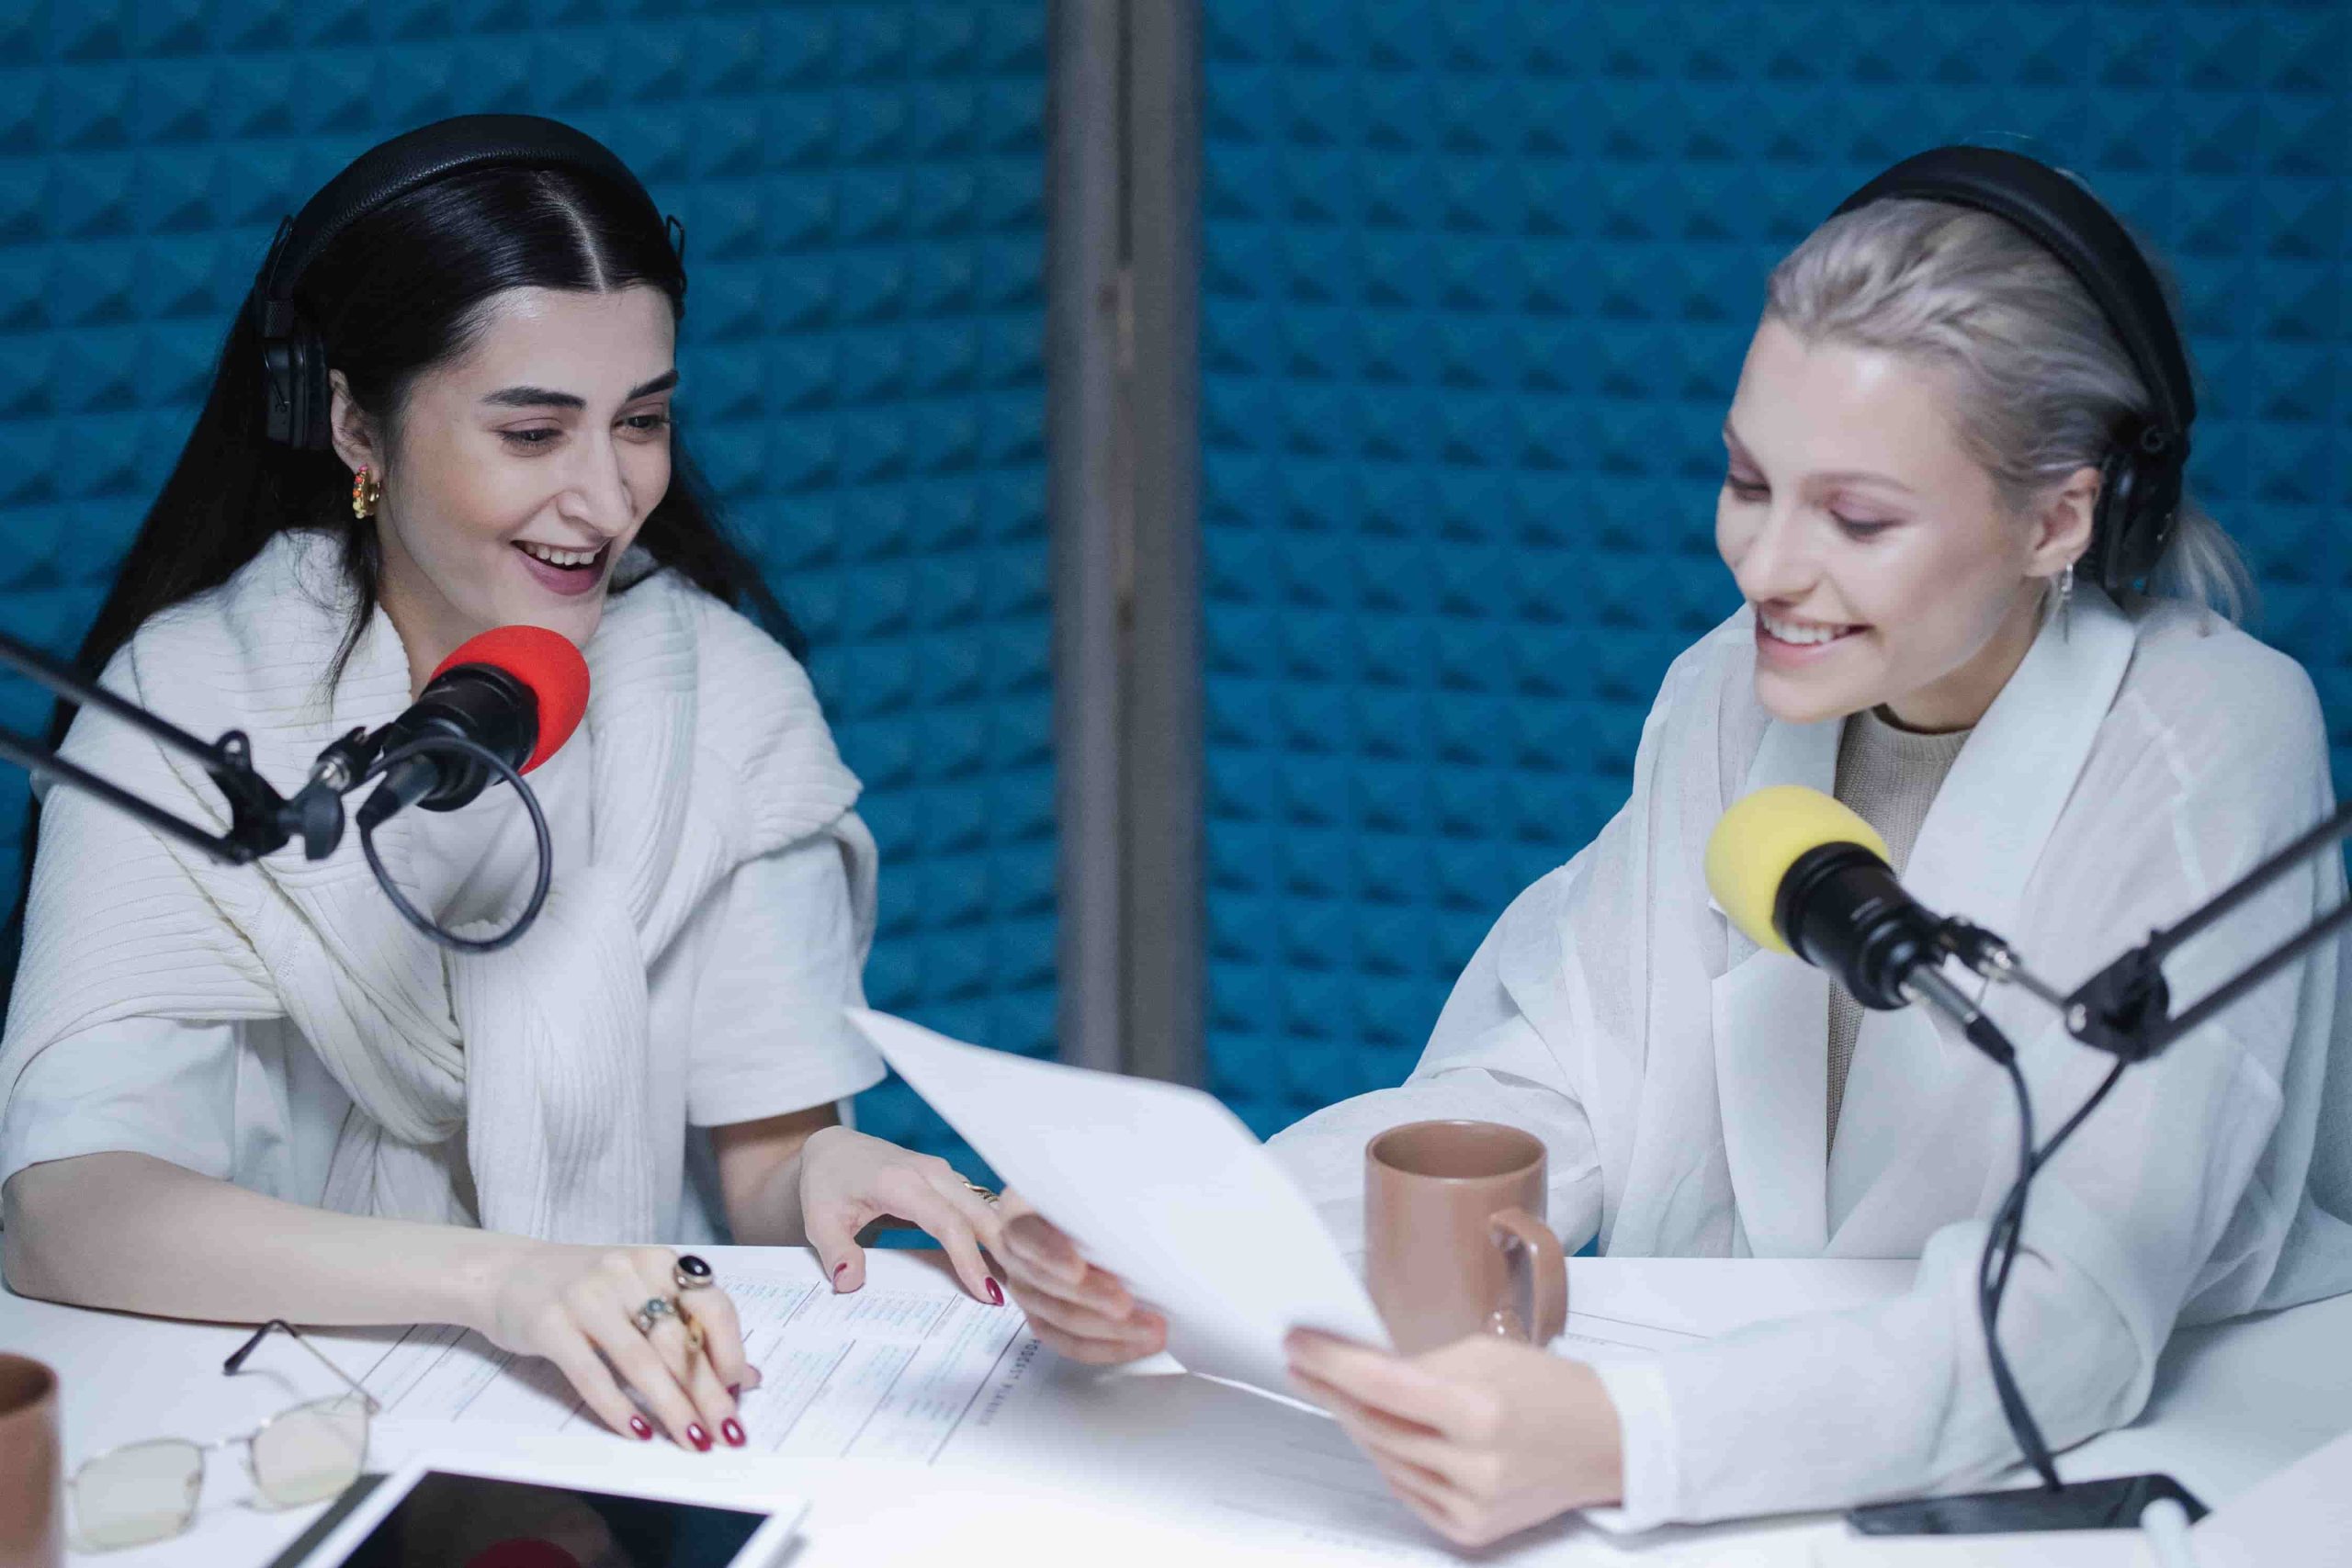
x,y
1455,1239
32,1484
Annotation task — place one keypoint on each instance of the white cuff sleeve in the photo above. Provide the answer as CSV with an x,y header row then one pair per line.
x,y
1636,1385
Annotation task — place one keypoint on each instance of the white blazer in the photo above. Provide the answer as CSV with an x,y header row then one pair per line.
x,y
2131,766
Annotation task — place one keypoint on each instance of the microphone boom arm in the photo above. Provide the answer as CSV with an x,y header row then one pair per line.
x,y
260,820
2125,1009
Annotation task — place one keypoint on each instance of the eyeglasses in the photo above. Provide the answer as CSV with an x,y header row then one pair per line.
x,y
147,1492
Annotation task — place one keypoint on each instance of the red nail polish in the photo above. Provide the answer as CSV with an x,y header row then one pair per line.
x,y
838,1268
698,1437
996,1293
644,1433
732,1430
734,1391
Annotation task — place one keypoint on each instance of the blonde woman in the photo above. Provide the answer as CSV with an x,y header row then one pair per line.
x,y
1915,462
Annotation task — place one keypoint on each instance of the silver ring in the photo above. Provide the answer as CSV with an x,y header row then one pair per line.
x,y
655,1308
690,1273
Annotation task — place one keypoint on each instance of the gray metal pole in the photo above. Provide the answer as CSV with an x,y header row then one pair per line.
x,y
1085,503
1161,722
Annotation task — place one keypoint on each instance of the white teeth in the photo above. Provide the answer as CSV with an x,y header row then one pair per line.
x,y
1802,636
554,557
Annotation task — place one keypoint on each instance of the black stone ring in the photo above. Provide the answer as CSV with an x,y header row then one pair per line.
x,y
690,1273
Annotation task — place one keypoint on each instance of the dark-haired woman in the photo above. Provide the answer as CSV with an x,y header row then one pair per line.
x,y
249,1093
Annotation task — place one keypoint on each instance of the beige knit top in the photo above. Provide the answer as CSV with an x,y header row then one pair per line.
x,y
1889,775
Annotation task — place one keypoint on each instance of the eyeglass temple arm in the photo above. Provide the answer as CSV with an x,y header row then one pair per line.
x,y
237,1357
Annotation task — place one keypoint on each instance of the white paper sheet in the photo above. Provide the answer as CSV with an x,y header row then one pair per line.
x,y
1159,1184
880,1373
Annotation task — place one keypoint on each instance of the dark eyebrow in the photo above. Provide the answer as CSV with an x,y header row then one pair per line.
x,y
546,398
534,398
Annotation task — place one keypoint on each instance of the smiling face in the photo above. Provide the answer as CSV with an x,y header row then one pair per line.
x,y
519,472
1883,564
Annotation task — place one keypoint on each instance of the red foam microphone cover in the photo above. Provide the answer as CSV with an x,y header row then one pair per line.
x,y
550,668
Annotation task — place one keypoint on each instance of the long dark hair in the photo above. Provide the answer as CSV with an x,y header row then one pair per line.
x,y
398,292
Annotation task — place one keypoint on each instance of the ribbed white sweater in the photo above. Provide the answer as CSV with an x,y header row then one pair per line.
x,y
707,749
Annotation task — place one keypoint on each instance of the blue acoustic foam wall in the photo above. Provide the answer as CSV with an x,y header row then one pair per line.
x,y
1477,280
862,187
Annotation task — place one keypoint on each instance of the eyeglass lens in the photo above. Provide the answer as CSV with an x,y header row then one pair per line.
x,y
312,1451
148,1492
135,1494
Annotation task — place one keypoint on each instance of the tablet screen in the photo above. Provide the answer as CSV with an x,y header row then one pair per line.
x,y
480,1521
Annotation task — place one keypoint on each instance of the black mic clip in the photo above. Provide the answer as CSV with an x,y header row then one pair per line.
x,y
1975,947
2119,1008
315,813
260,820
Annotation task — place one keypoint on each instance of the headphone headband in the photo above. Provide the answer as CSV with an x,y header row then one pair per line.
x,y
2141,498
2073,225
294,361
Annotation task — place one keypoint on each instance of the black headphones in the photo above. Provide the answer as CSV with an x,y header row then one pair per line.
x,y
296,394
2139,499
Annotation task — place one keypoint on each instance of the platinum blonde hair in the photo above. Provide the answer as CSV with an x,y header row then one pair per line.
x,y
2041,378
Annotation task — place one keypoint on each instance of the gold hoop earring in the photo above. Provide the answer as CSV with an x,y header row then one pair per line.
x,y
366,491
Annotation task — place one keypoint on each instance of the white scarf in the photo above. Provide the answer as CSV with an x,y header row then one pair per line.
x,y
707,750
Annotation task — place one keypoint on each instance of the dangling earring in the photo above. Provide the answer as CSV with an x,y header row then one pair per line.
x,y
366,491
2065,603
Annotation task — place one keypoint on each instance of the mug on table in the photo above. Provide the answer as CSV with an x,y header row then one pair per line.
x,y
1455,1242
32,1477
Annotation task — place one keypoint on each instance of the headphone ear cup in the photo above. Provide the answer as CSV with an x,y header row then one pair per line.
x,y
296,396
277,393
2156,512
2111,519
313,397
2138,503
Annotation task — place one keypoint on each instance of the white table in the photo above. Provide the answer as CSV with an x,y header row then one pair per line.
x,y
1143,1469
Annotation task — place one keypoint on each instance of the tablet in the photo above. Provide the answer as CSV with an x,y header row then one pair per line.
x,y
480,1512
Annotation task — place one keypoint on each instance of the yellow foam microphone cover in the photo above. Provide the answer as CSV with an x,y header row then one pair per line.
x,y
1762,836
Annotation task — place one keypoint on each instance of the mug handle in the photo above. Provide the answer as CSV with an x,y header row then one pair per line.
x,y
1539,1272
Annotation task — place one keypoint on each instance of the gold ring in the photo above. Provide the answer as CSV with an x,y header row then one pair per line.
x,y
693,1329
979,1192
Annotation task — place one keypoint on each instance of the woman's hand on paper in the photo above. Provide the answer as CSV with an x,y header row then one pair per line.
x,y
849,1180
1075,1308
1482,1437
577,1306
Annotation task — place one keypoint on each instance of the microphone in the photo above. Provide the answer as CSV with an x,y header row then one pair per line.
x,y
517,691
1802,874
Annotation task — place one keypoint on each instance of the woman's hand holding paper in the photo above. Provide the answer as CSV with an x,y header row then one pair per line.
x,y
847,1180
1481,1438
1075,1308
